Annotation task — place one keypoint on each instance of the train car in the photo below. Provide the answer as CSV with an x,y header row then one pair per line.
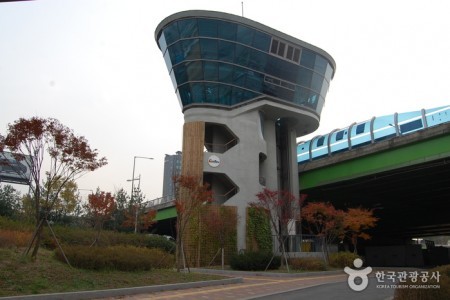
x,y
370,131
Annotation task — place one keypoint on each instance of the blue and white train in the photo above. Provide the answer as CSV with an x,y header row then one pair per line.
x,y
370,131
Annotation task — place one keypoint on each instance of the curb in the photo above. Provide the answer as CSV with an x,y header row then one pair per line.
x,y
267,274
125,291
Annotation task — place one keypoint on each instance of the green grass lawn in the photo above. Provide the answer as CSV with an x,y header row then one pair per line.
x,y
21,276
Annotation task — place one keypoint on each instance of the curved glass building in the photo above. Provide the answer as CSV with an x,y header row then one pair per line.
x,y
247,92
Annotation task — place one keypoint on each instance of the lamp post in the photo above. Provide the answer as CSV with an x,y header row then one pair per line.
x,y
132,187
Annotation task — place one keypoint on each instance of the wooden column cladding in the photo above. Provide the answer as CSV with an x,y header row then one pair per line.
x,y
193,145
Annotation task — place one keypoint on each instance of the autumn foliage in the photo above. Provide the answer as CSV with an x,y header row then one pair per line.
x,y
324,220
100,208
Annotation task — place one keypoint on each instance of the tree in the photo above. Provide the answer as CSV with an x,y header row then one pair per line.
x,y
9,201
191,195
137,216
324,221
118,217
278,204
356,221
70,156
222,221
64,204
100,208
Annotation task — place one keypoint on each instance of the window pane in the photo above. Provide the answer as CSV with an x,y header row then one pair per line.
x,y
244,35
185,94
281,48
254,81
171,33
274,47
290,53
211,93
191,49
308,58
305,77
225,73
261,41
176,53
208,48
197,90
320,64
316,83
320,141
360,128
242,56
257,60
296,55
224,94
188,28
227,30
194,70
180,74
207,27
226,51
211,70
239,75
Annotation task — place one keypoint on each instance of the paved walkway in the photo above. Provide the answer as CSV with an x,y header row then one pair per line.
x,y
252,286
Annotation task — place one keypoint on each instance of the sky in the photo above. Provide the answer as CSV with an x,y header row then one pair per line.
x,y
94,65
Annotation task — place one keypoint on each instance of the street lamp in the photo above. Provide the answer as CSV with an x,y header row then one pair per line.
x,y
132,186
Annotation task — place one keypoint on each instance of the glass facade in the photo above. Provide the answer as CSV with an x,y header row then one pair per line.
x,y
221,62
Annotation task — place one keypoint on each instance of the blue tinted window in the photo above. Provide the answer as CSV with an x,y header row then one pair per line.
x,y
194,70
176,53
316,83
257,60
207,27
225,73
320,64
261,41
305,77
239,76
188,28
162,43
227,30
208,48
254,81
185,94
411,126
191,48
197,91
308,58
225,94
211,93
242,55
320,141
301,95
171,33
244,35
180,74
360,128
339,135
226,51
211,71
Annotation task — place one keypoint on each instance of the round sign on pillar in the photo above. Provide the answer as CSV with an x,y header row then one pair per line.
x,y
214,161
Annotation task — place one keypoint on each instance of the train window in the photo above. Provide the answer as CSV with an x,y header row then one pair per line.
x,y
340,135
410,126
320,141
360,128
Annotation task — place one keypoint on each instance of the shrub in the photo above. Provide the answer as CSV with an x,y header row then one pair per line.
x,y
342,259
443,292
14,238
307,264
254,261
123,258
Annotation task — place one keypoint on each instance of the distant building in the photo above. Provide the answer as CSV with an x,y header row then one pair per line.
x,y
172,167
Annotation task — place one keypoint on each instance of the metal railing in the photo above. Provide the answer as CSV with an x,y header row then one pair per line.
x,y
298,243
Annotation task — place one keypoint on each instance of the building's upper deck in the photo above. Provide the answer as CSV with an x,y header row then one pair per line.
x,y
222,60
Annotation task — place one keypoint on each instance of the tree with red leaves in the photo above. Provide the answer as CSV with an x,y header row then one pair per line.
x,y
356,221
280,206
70,157
324,221
192,193
100,208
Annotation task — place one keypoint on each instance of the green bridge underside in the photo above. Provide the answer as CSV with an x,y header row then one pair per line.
x,y
166,213
388,159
